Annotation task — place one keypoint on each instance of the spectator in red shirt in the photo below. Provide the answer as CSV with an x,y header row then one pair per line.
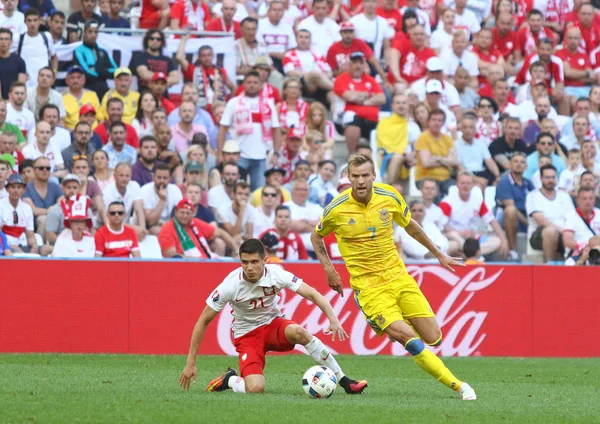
x,y
290,153
155,14
408,60
487,55
338,55
504,38
114,239
291,247
226,23
362,96
578,71
212,82
114,110
590,32
159,87
529,36
189,14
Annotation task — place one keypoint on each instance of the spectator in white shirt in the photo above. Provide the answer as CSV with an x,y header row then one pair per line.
x,y
42,147
276,34
76,241
322,188
441,39
223,193
43,93
265,213
435,71
122,189
412,249
547,209
16,113
372,29
583,223
463,208
324,31
159,198
422,16
458,55
60,138
465,19
36,48
12,19
237,217
433,213
305,215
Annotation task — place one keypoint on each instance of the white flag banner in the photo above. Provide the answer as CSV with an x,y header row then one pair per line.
x,y
122,48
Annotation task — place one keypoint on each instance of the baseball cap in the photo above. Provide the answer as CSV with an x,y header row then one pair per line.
x,y
85,109
71,177
274,169
15,179
91,23
231,146
302,162
434,86
193,166
270,240
357,56
347,26
8,157
294,133
159,76
74,68
262,61
434,64
122,71
343,184
539,82
185,204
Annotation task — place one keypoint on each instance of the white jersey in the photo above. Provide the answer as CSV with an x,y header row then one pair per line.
x,y
450,97
254,304
463,214
13,230
555,210
323,34
435,215
575,224
412,249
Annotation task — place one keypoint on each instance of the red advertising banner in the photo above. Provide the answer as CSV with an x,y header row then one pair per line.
x,y
151,308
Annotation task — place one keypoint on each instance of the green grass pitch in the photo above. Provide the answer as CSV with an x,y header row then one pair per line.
x,y
144,389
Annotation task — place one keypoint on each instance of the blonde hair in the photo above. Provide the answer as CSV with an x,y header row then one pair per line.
x,y
357,160
311,136
310,125
288,81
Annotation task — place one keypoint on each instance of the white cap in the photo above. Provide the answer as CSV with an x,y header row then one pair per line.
x,y
434,64
434,86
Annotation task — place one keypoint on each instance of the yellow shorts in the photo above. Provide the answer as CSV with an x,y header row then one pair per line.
x,y
400,299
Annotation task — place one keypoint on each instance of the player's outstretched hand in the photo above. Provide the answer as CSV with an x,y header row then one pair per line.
x,y
335,281
189,373
336,329
448,262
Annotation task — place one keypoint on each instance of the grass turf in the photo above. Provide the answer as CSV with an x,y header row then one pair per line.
x,y
130,388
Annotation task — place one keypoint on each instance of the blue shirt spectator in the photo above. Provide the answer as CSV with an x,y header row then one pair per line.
x,y
53,194
532,164
127,155
45,7
4,246
509,189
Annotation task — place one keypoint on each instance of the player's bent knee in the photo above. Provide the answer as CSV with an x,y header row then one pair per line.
x,y
434,341
297,334
255,388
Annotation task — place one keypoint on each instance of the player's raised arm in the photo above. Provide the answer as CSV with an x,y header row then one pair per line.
x,y
335,327
189,372
416,231
333,278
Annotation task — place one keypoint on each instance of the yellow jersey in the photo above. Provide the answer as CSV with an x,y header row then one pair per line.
x,y
437,146
130,105
72,106
256,197
365,234
392,134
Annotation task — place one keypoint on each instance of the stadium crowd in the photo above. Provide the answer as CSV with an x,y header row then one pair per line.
x,y
485,115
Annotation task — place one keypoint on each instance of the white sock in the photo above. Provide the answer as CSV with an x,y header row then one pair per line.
x,y
321,355
237,384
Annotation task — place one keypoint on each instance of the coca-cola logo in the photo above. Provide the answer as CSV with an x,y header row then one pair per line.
x,y
460,323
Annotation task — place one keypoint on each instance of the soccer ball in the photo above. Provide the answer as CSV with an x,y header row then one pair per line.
x,y
319,382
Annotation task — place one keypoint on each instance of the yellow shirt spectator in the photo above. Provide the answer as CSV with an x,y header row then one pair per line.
x,y
130,105
392,134
256,199
437,146
72,106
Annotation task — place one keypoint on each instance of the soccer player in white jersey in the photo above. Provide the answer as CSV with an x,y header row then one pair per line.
x,y
260,327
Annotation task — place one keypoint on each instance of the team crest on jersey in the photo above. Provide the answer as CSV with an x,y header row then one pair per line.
x,y
216,296
294,279
384,215
320,226
581,61
380,320
269,291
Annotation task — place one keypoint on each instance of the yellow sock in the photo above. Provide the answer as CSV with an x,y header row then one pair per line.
x,y
432,364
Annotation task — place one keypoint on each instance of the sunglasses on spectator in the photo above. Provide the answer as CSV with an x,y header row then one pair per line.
x,y
113,213
15,218
270,194
43,168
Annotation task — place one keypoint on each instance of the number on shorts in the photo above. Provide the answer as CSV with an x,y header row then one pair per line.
x,y
372,230
255,303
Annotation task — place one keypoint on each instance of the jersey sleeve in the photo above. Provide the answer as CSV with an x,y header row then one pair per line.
x,y
219,297
285,279
327,221
401,214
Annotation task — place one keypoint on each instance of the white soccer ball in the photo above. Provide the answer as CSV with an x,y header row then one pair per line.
x,y
319,382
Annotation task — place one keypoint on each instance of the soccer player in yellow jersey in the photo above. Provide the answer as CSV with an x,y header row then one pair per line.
x,y
362,219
